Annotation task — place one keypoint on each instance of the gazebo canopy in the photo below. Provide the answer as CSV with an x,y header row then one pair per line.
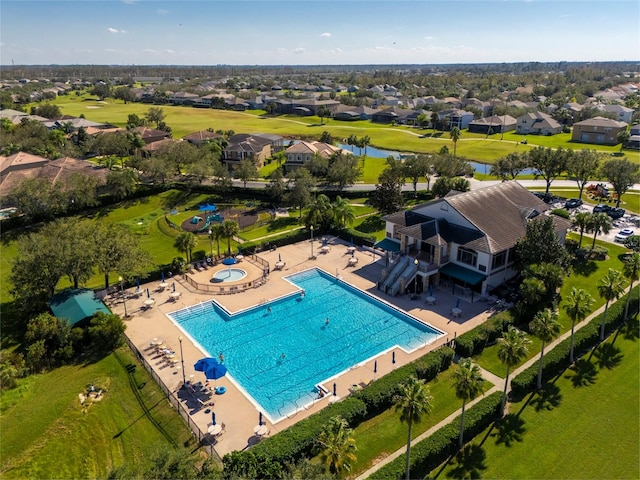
x,y
208,208
76,304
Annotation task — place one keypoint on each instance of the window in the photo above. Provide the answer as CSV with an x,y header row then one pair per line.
x,y
467,256
299,157
499,260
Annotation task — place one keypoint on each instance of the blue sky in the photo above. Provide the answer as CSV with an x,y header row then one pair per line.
x,y
301,32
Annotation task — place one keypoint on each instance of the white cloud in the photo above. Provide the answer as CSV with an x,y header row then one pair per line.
x,y
299,51
148,50
325,34
162,11
115,30
429,38
337,50
169,51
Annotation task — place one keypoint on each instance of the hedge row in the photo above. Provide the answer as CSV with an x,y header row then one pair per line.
x,y
556,360
298,440
475,340
432,451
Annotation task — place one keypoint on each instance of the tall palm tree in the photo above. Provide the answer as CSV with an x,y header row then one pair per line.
x,y
186,242
600,223
610,287
454,134
413,401
320,212
366,140
512,348
337,446
217,232
468,384
546,327
632,272
435,118
578,306
230,229
582,221
342,212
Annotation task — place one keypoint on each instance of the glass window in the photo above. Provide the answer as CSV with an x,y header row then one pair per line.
x,y
499,260
467,256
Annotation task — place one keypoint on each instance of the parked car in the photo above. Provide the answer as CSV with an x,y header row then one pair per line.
x,y
573,203
623,234
601,208
616,212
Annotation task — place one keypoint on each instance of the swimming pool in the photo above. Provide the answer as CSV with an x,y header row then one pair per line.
x,y
229,275
253,341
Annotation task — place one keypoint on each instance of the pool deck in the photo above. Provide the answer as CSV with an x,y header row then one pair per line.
x,y
233,408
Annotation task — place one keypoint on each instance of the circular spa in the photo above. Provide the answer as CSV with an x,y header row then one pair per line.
x,y
229,275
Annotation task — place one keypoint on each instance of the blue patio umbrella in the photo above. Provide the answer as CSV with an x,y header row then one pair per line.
x,y
213,417
229,261
458,303
215,371
260,419
204,364
334,389
162,276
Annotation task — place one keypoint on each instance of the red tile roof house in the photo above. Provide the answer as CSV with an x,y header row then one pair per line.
x,y
598,130
302,152
468,238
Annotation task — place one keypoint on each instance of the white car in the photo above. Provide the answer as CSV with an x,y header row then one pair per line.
x,y
622,235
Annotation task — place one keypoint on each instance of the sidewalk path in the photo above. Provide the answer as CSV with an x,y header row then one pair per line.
x,y
498,383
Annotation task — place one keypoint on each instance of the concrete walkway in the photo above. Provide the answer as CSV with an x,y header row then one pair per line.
x,y
498,385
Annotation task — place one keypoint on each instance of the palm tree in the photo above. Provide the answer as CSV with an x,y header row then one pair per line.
x,y
342,212
512,348
468,384
454,134
320,212
413,401
610,287
230,229
600,223
435,118
578,306
365,142
217,233
582,220
546,327
632,272
337,446
186,242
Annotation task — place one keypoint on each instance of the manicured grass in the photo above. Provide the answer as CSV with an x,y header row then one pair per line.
x,y
384,434
585,275
584,425
47,433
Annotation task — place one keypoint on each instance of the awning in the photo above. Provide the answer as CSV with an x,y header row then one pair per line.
x,y
76,305
463,274
388,245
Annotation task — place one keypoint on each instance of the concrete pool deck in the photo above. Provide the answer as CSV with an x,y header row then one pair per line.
x,y
233,408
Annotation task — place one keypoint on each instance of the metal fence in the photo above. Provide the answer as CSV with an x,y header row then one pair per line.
x,y
203,438
236,288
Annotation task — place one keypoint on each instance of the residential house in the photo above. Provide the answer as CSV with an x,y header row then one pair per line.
x,y
21,166
457,118
302,152
486,108
538,123
390,115
598,130
201,137
467,239
184,98
150,135
623,114
348,113
494,124
258,146
634,139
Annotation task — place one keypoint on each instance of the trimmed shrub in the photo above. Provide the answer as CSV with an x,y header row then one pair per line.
x,y
432,451
556,360
476,340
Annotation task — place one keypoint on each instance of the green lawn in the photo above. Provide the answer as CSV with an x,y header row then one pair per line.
x,y
185,120
47,433
585,425
586,276
384,434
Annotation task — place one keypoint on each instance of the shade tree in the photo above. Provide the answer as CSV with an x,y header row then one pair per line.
x,y
622,174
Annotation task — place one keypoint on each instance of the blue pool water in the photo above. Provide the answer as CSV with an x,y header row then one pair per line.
x,y
254,340
230,275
